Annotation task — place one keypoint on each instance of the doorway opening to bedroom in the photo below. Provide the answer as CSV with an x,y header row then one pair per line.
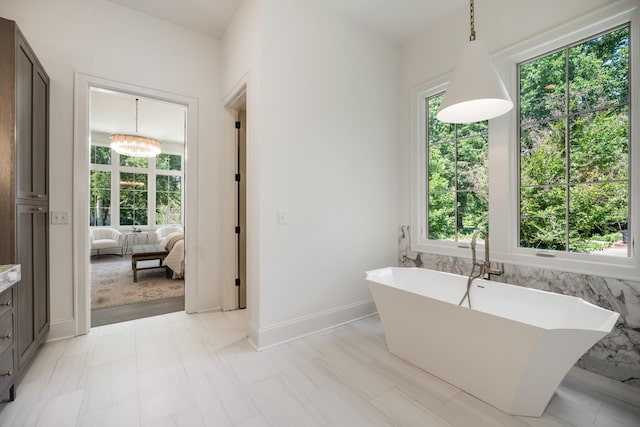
x,y
136,207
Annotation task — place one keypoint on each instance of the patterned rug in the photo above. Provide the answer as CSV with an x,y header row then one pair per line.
x,y
112,284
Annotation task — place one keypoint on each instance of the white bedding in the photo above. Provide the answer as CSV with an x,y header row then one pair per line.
x,y
175,259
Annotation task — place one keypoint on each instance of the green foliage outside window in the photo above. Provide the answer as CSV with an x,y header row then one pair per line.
x,y
133,198
171,162
99,198
168,199
458,193
574,146
134,162
100,155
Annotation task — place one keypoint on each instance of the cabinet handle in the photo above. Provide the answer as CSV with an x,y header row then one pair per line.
x,y
7,337
38,209
6,304
7,374
38,196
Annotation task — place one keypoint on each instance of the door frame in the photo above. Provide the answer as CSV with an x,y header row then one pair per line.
x,y
81,272
236,100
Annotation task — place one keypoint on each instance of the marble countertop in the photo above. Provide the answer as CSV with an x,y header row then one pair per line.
x,y
9,275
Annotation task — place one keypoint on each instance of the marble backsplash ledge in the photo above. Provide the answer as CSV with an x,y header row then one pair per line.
x,y
616,356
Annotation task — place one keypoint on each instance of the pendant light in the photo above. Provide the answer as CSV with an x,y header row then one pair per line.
x,y
475,91
135,145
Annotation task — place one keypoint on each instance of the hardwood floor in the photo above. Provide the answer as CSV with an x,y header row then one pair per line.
x,y
200,370
123,313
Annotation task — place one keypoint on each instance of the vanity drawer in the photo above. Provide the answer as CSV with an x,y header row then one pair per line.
x,y
6,369
6,331
6,301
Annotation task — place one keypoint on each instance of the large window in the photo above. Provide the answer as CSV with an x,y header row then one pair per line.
x,y
134,191
574,147
100,184
168,189
457,175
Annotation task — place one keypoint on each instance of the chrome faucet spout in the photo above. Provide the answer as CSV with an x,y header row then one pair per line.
x,y
486,264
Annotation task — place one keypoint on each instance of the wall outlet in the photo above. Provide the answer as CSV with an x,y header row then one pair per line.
x,y
59,217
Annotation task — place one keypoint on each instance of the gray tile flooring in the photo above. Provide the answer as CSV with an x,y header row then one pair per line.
x,y
199,370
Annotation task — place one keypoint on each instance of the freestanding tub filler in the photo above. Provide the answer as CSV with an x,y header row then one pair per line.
x,y
511,349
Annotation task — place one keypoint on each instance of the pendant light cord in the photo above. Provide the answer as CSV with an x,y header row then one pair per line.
x,y
137,115
472,36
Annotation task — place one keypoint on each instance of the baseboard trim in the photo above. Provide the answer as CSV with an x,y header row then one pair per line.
x,y
62,329
290,330
607,386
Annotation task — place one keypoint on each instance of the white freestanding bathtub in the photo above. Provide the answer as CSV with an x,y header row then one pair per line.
x,y
511,349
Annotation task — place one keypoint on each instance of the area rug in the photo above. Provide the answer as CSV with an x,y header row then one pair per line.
x,y
112,285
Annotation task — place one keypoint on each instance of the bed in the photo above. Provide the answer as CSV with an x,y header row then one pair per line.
x,y
174,243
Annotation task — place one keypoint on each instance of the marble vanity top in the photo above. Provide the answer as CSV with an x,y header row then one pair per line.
x,y
9,275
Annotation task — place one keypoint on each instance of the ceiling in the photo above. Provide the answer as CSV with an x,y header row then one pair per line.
x,y
114,112
395,19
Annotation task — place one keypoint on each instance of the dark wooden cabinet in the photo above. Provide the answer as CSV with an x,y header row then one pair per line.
x,y
7,339
24,187
32,297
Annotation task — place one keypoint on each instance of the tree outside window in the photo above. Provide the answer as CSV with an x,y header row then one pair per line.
x,y
133,198
168,199
100,198
458,191
170,162
574,146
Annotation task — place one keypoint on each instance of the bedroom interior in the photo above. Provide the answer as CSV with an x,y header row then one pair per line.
x,y
135,206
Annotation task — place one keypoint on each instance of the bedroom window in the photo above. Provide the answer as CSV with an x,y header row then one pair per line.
x,y
134,191
574,135
100,198
457,176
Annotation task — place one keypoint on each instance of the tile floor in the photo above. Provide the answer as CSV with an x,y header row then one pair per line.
x,y
199,370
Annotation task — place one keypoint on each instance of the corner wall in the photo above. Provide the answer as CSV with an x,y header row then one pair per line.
x,y
327,161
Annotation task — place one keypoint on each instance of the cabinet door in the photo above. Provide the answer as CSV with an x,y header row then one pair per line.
x,y
33,289
32,124
40,143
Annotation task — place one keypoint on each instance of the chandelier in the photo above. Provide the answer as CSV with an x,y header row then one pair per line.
x,y
134,145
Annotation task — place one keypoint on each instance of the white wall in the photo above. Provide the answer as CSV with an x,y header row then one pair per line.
x,y
241,71
103,39
327,158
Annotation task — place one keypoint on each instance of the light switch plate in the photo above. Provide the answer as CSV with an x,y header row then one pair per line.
x,y
282,217
59,217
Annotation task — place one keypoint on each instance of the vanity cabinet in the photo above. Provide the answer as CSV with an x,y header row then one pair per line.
x,y
7,338
24,189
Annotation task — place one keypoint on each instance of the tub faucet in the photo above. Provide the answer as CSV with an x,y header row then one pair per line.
x,y
485,266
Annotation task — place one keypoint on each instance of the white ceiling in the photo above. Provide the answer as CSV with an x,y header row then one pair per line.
x,y
395,19
204,16
113,112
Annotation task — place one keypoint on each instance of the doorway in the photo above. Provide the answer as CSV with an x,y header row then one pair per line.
x,y
136,202
79,321
236,288
241,196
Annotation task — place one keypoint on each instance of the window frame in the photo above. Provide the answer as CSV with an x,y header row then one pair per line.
x,y
504,152
420,186
151,171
